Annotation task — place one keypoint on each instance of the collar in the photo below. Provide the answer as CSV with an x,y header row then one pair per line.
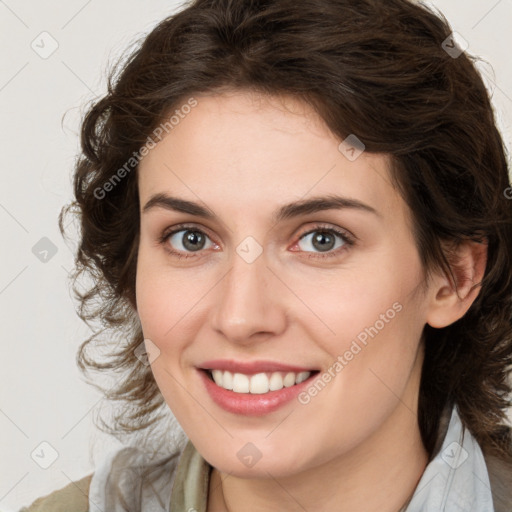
x,y
456,480
190,486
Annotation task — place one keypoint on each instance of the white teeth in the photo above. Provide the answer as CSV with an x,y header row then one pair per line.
x,y
276,381
289,380
217,377
240,383
302,376
259,383
227,380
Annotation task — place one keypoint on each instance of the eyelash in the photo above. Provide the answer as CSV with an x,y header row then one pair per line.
x,y
348,240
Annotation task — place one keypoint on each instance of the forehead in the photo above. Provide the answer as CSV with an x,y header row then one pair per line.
x,y
246,152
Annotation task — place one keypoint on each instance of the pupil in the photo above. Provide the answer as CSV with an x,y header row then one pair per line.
x,y
324,240
192,240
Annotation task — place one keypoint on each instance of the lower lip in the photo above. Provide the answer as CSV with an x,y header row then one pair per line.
x,y
249,404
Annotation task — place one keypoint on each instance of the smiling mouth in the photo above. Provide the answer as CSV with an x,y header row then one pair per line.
x,y
258,383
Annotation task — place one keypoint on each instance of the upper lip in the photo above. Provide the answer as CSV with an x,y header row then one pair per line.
x,y
250,367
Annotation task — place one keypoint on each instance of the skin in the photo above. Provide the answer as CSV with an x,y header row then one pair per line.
x,y
356,445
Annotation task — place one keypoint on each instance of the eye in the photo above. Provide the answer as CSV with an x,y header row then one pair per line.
x,y
326,240
185,239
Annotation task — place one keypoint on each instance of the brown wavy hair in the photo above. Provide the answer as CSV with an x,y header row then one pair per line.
x,y
371,68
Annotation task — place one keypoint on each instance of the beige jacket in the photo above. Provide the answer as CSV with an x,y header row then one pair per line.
x,y
72,498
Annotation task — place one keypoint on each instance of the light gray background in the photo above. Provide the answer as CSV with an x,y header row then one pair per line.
x,y
42,395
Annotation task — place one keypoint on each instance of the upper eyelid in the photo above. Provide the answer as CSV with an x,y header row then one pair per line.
x,y
185,227
321,227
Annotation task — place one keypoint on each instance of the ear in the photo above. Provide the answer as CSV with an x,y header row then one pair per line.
x,y
450,300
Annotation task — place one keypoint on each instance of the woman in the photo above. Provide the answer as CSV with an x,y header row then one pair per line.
x,y
298,214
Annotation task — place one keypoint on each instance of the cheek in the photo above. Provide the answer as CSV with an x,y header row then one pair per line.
x,y
370,323
355,304
152,300
162,304
164,297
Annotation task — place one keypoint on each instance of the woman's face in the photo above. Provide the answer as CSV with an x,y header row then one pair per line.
x,y
264,278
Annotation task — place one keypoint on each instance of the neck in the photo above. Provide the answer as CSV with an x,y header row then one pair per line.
x,y
379,475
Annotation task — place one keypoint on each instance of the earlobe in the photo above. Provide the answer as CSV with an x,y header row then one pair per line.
x,y
451,300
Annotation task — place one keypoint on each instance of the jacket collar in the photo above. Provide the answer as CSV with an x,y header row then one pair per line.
x,y
456,479
190,486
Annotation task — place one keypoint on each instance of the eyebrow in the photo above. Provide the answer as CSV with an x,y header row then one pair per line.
x,y
285,212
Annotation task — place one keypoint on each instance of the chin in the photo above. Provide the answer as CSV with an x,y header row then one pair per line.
x,y
272,461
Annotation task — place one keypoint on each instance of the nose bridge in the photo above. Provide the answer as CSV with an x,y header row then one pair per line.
x,y
246,303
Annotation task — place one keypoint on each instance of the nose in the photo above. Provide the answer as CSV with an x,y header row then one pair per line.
x,y
249,303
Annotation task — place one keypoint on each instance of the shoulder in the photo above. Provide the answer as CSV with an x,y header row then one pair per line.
x,y
72,498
